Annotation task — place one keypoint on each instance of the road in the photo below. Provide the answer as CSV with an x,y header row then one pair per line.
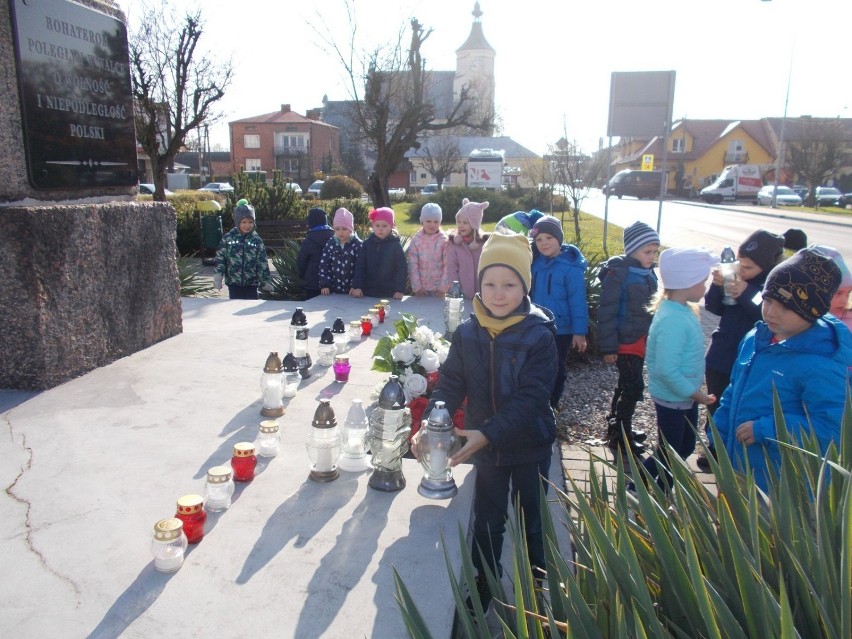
x,y
694,223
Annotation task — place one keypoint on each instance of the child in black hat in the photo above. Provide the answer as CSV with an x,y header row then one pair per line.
x,y
310,251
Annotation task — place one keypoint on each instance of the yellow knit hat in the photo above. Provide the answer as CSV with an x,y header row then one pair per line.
x,y
510,250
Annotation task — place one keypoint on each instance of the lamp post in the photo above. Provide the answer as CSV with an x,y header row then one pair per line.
x,y
779,161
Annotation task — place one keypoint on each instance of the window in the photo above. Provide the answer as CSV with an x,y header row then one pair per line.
x,y
290,142
252,165
678,145
251,141
290,166
412,177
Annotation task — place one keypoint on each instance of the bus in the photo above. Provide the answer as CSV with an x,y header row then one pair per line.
x,y
485,169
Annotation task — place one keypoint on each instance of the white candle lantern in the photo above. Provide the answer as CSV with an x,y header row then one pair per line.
x,y
219,488
326,349
272,387
267,440
453,308
291,375
323,444
355,331
299,341
390,425
341,338
354,457
436,446
373,314
386,304
168,546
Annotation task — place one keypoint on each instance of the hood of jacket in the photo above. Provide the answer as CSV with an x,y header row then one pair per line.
x,y
828,337
617,262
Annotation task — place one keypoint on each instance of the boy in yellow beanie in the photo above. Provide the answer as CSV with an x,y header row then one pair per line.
x,y
503,360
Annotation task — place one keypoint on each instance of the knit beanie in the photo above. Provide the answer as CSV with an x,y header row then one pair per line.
x,y
763,248
383,214
242,201
472,212
549,225
534,215
638,235
507,249
833,253
431,211
343,218
243,211
316,217
795,239
517,222
682,268
804,284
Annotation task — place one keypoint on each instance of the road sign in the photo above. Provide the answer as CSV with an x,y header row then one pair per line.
x,y
648,162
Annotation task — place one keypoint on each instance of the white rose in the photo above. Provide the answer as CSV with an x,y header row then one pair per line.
x,y
430,360
423,336
443,351
417,349
402,353
415,386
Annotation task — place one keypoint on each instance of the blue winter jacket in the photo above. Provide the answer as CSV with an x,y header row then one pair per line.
x,y
507,381
626,290
736,320
381,269
310,253
810,372
559,284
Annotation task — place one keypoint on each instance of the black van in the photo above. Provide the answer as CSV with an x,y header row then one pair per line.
x,y
639,184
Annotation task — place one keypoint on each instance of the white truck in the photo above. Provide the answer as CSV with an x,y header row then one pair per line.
x,y
737,181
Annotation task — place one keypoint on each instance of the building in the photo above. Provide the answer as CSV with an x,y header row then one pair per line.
x,y
283,140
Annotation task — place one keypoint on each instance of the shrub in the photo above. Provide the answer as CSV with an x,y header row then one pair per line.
x,y
188,232
287,285
689,563
340,186
450,201
192,283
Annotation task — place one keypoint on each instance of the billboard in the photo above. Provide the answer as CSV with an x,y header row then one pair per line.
x,y
640,103
485,169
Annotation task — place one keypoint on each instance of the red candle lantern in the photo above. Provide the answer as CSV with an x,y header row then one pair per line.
x,y
381,309
366,326
243,462
190,510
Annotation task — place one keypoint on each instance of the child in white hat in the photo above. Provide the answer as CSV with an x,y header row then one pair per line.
x,y
427,253
675,355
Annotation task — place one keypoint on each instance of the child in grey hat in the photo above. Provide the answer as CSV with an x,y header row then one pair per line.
x,y
241,260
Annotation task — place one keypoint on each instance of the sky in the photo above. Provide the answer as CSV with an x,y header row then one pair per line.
x,y
734,59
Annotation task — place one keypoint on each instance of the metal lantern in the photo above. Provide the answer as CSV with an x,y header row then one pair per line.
x,y
436,446
355,331
323,444
326,349
291,375
354,457
390,425
341,338
453,308
272,387
729,266
299,341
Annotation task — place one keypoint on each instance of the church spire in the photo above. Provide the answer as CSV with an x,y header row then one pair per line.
x,y
476,39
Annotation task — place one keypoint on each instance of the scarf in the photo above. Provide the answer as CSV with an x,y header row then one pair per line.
x,y
496,325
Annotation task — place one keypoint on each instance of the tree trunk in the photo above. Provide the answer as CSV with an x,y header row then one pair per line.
x,y
378,190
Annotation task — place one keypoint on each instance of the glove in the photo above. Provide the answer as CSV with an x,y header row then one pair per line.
x,y
217,282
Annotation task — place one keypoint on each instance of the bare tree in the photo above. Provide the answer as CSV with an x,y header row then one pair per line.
x,y
569,164
391,103
441,156
816,150
175,86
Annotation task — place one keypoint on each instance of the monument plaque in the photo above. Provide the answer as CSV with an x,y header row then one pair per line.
x,y
76,99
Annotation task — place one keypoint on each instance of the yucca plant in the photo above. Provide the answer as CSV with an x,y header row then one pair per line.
x,y
287,285
192,283
690,563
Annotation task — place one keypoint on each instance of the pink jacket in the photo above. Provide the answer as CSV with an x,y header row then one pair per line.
x,y
462,264
426,258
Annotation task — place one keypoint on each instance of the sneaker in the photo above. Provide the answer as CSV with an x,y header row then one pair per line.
x,y
638,436
484,594
703,462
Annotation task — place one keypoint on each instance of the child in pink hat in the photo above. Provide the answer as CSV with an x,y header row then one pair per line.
x,y
337,264
464,247
381,269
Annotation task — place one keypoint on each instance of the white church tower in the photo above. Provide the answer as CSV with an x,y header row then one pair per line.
x,y
475,67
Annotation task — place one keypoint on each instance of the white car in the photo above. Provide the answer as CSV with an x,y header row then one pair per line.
x,y
218,187
148,189
294,186
315,188
785,196
396,193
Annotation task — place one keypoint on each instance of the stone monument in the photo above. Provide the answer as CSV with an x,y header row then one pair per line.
x,y
87,274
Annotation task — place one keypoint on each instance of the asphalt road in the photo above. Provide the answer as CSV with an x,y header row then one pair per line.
x,y
694,223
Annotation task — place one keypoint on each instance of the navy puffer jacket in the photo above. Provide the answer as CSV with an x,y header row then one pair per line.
x,y
507,381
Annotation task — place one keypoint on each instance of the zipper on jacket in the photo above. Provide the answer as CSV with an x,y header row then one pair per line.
x,y
491,375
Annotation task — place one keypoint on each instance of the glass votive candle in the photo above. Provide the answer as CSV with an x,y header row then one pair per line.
x,y
243,462
381,310
341,368
354,331
190,510
366,325
373,314
168,547
267,440
219,488
385,305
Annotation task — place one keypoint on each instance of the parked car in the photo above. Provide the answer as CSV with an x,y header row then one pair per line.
x,y
801,191
828,196
396,193
639,184
148,189
218,187
295,186
315,188
429,189
847,199
785,196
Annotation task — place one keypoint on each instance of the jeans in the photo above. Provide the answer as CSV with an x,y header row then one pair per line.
x,y
630,387
490,510
677,427
237,292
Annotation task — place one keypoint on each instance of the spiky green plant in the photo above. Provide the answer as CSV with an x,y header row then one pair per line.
x,y
287,285
689,563
192,283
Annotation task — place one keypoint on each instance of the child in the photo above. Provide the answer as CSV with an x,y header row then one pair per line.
x,y
310,251
798,351
519,221
427,252
241,257
337,263
841,303
757,255
380,270
503,360
628,283
676,354
464,247
559,284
